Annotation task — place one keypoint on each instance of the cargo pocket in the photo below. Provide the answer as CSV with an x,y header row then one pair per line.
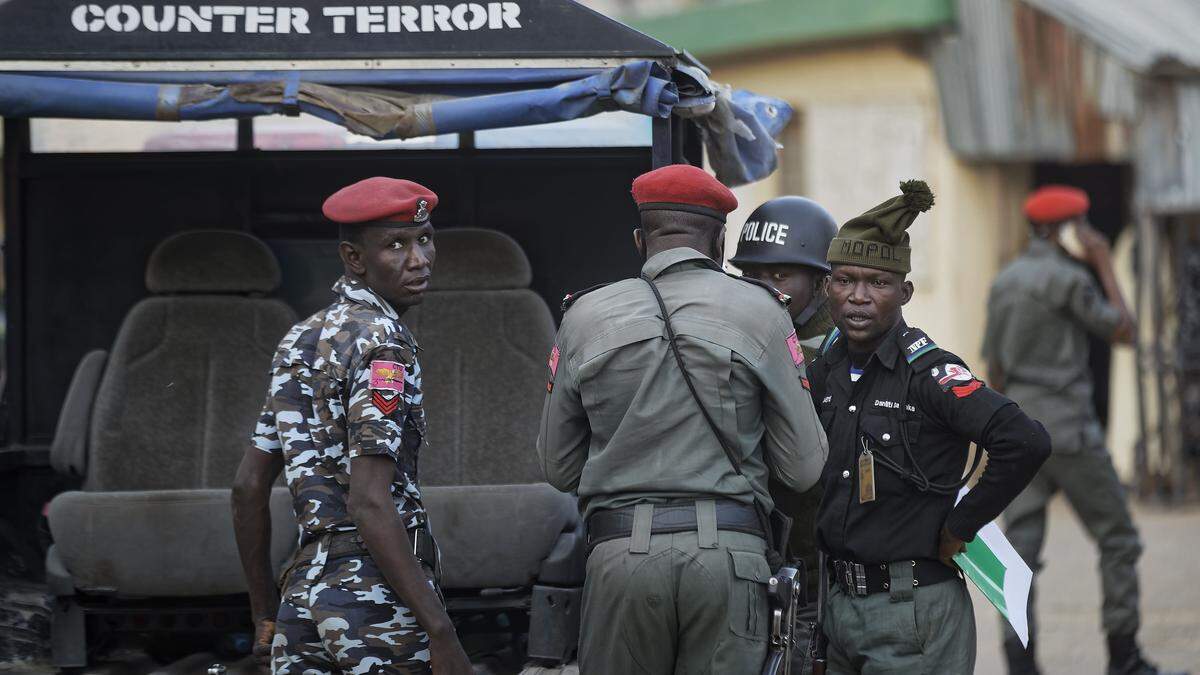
x,y
748,595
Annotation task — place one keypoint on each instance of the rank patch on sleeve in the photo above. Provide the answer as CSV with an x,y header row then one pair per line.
x,y
967,389
387,403
793,343
387,376
553,363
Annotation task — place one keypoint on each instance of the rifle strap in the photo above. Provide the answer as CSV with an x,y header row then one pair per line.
x,y
775,557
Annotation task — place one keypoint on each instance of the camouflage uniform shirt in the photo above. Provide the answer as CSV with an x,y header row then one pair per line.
x,y
344,382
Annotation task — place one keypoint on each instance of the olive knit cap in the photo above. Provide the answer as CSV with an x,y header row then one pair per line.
x,y
879,237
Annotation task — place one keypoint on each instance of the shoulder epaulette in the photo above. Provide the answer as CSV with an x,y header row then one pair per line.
x,y
915,344
783,298
570,298
829,340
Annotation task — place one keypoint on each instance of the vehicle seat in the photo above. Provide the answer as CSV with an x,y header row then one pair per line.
x,y
158,427
485,337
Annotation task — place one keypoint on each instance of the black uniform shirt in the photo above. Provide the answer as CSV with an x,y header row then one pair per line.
x,y
939,412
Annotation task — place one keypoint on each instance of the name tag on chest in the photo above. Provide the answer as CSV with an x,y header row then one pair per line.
x,y
866,477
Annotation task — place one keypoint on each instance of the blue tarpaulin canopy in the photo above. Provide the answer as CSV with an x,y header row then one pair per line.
x,y
382,70
739,128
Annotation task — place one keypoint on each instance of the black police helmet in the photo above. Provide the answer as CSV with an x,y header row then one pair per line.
x,y
787,230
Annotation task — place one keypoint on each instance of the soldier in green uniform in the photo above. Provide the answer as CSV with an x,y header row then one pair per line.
x,y
1041,310
900,414
783,243
677,568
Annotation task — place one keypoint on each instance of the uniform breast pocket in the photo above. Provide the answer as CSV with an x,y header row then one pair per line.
x,y
885,436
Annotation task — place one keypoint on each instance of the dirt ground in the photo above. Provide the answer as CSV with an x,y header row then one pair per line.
x,y
1071,640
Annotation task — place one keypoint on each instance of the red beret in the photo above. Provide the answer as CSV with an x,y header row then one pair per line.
x,y
1056,203
391,200
683,187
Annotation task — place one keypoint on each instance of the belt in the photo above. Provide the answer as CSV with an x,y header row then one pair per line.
x,y
672,517
350,543
860,580
346,543
342,544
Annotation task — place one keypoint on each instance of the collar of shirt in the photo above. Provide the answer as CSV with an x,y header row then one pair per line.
x,y
660,262
887,354
359,293
1040,247
819,324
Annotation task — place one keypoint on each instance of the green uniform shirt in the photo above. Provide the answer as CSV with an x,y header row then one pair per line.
x,y
1041,308
802,506
619,425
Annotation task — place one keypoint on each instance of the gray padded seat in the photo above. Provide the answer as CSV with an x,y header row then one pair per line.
x,y
497,536
484,338
158,543
171,413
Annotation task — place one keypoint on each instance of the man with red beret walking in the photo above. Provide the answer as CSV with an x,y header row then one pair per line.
x,y
1041,309
671,399
344,420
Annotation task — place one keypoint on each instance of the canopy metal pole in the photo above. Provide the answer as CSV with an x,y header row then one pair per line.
x,y
16,146
661,153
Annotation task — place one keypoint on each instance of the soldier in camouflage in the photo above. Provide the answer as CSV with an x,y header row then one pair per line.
x,y
344,421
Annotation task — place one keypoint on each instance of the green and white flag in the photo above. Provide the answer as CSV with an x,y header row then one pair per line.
x,y
995,567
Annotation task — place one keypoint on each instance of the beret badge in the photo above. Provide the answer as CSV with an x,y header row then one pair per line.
x,y
422,213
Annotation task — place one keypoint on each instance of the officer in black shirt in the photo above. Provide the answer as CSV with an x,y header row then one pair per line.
x,y
900,414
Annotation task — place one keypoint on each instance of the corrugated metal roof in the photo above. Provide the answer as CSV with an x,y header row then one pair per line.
x,y
1017,85
1148,36
1079,80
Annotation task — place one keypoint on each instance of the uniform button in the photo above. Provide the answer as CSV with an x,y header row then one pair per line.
x,y
853,408
846,473
887,437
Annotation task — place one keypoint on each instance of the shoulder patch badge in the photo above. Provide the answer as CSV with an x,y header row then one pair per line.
x,y
387,381
918,348
553,363
793,343
948,375
951,372
387,376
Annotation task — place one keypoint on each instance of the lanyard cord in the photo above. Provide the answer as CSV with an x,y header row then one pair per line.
x,y
917,476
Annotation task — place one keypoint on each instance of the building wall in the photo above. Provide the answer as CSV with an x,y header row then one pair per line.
x,y
868,117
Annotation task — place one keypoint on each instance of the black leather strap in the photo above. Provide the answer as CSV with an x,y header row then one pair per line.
x,y
777,525
675,517
672,340
343,544
861,579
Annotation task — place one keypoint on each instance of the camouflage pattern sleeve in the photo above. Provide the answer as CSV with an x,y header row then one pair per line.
x,y
382,389
266,434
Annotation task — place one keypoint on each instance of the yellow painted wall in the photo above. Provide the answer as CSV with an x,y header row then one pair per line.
x,y
869,116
